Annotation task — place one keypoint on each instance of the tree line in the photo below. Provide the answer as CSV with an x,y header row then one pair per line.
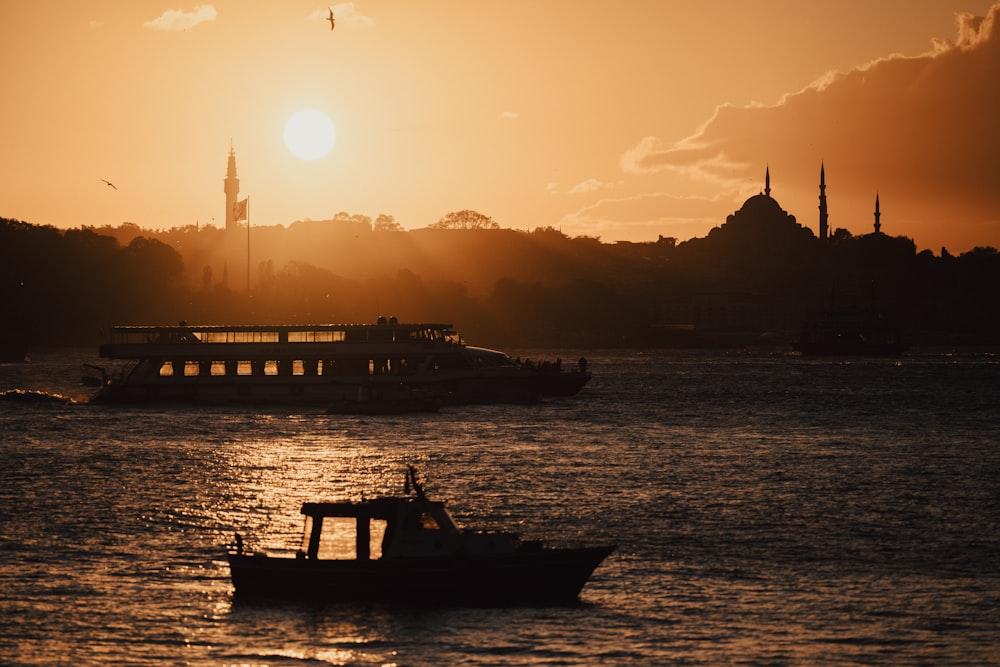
x,y
500,287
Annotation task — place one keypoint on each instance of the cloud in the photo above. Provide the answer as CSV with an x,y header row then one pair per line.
x,y
345,13
921,128
645,217
510,115
177,19
591,185
647,206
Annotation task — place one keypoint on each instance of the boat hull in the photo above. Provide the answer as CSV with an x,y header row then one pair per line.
x,y
342,395
539,576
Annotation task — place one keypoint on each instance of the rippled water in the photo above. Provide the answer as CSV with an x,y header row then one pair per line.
x,y
769,509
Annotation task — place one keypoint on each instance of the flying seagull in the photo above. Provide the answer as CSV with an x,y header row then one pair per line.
x,y
330,19
110,183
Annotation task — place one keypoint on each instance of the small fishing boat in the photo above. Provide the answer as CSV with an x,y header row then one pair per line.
x,y
408,549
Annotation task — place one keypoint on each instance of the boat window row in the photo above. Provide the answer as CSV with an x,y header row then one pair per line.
x,y
343,367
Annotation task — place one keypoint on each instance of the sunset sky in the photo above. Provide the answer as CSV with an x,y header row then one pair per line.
x,y
626,121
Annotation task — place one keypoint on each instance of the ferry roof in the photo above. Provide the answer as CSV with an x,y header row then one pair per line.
x,y
219,328
138,341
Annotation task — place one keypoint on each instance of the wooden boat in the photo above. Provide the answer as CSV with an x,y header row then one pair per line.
x,y
324,365
409,550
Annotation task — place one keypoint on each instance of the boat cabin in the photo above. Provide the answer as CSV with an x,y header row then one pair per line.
x,y
387,528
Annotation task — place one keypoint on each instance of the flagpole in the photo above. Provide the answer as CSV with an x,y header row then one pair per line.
x,y
248,246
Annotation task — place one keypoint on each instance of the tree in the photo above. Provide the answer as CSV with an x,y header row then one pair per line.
x,y
465,220
386,223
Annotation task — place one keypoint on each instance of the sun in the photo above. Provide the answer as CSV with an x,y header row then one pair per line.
x,y
309,134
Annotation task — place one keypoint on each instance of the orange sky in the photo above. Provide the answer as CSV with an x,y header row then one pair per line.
x,y
626,121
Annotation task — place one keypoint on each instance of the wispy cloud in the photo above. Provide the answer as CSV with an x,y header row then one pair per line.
x,y
591,185
645,216
510,115
174,20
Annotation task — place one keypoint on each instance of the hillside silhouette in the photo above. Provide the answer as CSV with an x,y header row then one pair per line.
x,y
754,279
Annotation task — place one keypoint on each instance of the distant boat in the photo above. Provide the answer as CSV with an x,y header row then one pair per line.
x,y
851,332
408,549
387,365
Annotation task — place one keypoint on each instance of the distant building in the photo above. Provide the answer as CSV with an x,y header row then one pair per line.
x,y
231,186
878,216
824,226
761,218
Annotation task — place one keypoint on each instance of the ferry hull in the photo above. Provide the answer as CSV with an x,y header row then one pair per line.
x,y
343,395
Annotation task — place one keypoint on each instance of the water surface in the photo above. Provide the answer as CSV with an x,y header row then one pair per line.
x,y
769,509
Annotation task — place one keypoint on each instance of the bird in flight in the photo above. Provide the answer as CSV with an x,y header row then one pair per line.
x,y
331,20
109,183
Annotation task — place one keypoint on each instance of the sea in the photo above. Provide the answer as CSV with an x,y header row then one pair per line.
x,y
768,509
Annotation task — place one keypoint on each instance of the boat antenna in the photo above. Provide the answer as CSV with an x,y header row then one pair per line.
x,y
411,480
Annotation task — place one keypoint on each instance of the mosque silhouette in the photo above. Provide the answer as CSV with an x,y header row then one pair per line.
x,y
763,210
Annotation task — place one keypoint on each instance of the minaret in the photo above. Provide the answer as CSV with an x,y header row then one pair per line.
x,y
231,186
767,181
824,229
878,214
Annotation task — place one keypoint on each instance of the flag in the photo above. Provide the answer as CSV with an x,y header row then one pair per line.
x,y
240,210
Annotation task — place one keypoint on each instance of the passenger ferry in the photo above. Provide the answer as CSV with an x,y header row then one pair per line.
x,y
387,364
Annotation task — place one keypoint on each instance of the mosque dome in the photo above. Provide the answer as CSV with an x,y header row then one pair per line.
x,y
762,205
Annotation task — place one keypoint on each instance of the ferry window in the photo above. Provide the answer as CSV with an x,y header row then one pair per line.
x,y
192,369
244,367
218,368
338,541
314,336
270,367
297,367
166,369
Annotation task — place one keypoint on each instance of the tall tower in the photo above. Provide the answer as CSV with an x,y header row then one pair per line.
x,y
231,186
767,181
824,229
878,214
